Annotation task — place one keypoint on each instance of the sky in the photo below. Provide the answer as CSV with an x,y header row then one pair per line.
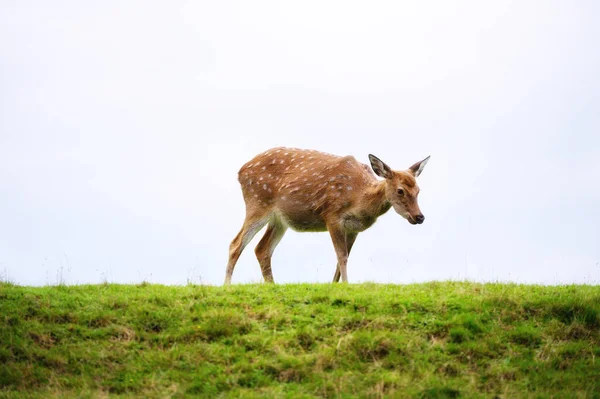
x,y
123,126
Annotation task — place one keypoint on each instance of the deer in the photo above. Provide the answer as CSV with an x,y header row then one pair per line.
x,y
311,191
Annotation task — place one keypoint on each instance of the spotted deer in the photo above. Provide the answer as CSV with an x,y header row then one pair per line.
x,y
313,191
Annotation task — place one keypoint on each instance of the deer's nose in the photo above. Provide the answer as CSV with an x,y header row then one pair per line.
x,y
420,218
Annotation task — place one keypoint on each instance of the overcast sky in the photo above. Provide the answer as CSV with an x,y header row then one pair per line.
x,y
123,126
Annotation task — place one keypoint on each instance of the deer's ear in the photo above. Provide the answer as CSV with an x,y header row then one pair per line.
x,y
380,168
417,168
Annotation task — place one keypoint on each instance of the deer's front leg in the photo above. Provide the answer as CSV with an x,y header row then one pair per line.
x,y
350,238
340,240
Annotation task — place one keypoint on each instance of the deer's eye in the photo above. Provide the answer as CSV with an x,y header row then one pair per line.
x,y
400,191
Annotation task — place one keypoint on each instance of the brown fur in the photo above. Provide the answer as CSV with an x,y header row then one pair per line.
x,y
313,191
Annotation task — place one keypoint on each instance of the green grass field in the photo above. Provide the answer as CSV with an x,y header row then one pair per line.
x,y
435,340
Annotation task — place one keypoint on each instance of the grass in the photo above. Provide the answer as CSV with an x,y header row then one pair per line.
x,y
435,340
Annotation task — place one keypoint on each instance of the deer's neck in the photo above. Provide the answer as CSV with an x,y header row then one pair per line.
x,y
375,199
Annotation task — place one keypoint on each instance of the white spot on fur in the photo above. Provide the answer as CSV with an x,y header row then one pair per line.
x,y
349,188
264,167
264,186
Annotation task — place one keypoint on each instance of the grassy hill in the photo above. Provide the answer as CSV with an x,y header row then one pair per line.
x,y
435,340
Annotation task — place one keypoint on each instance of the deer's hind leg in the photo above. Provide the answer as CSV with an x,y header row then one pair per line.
x,y
252,225
265,248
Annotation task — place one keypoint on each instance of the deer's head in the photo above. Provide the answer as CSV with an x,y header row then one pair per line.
x,y
401,188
